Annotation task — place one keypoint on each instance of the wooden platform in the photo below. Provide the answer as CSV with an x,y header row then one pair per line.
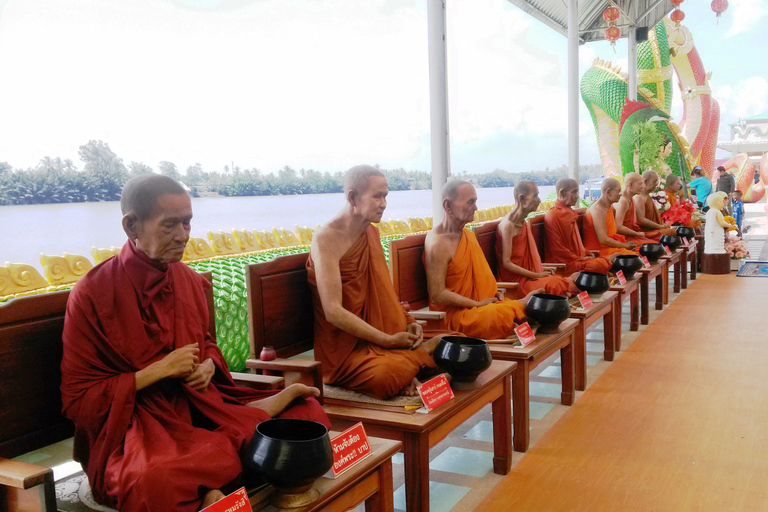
x,y
677,422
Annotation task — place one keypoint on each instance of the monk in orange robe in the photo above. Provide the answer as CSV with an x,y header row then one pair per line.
x,y
159,423
516,252
672,187
564,244
626,218
648,217
363,337
458,276
600,225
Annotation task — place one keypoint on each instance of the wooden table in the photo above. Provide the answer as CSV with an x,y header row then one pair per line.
x,y
606,309
419,432
629,289
528,358
659,271
675,260
369,481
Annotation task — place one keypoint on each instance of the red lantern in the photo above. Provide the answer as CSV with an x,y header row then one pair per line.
x,y
612,34
610,15
677,16
676,3
719,6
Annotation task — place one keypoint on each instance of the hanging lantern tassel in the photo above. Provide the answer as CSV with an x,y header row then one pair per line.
x,y
719,7
677,16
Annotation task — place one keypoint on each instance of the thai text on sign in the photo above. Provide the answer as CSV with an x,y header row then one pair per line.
x,y
646,263
238,500
435,392
349,448
585,299
525,334
621,278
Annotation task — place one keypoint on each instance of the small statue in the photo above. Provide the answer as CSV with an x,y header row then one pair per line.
x,y
714,237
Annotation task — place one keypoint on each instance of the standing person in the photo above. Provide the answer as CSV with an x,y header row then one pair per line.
x,y
159,423
738,210
726,183
701,187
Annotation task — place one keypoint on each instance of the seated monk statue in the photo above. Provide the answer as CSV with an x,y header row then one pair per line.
x,y
600,225
516,253
459,279
626,217
564,244
159,423
648,216
363,337
672,186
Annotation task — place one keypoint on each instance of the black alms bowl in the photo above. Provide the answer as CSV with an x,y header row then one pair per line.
x,y
462,357
652,251
673,242
548,310
686,232
592,282
290,453
628,264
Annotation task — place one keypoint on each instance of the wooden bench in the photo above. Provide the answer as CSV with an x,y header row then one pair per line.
x,y
280,313
608,309
30,413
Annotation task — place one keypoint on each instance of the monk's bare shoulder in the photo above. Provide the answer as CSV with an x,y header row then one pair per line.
x,y
329,242
441,246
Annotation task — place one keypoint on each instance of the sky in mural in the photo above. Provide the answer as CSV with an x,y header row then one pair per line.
x,y
321,84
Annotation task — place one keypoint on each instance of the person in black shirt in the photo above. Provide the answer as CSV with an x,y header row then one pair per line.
x,y
726,183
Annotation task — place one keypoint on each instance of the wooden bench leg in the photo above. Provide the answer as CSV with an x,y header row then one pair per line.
x,y
501,409
580,355
416,462
383,500
634,309
567,374
678,272
609,333
618,317
694,263
662,287
684,270
644,299
520,410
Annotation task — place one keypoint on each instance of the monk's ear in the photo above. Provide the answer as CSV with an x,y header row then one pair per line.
x,y
131,225
446,204
352,196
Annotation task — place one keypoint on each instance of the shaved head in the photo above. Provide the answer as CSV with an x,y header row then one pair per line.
x,y
565,184
632,177
610,183
649,175
140,194
357,178
672,180
451,189
523,188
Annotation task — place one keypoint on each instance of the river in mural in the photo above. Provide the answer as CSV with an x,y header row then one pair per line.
x,y
26,231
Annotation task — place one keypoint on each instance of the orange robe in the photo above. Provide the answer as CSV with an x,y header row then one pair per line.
x,y
470,276
525,254
652,214
367,292
592,243
564,243
630,221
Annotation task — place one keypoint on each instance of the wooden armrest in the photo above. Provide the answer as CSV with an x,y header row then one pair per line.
x,y
507,284
262,382
427,315
421,322
311,369
22,475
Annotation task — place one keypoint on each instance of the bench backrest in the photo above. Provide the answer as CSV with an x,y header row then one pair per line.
x,y
539,233
280,310
406,267
30,371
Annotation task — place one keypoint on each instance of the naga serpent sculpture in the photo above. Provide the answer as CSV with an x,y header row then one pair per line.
x,y
604,91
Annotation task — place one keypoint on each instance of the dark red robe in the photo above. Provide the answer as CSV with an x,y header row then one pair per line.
x,y
163,447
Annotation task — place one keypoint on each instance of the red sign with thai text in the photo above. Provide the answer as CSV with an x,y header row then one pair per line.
x,y
525,334
585,299
666,250
685,241
621,278
435,392
349,448
238,500
646,263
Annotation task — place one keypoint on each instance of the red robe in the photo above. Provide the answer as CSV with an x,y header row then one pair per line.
x,y
367,292
525,254
652,214
592,243
630,221
162,447
564,243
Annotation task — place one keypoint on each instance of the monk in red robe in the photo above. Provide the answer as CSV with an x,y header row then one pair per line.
x,y
159,423
564,243
648,216
458,276
626,218
600,225
363,337
672,187
516,252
